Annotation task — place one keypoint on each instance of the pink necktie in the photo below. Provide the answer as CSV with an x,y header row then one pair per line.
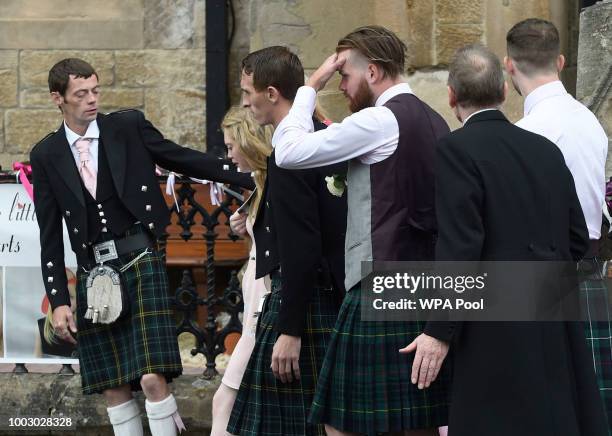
x,y
86,168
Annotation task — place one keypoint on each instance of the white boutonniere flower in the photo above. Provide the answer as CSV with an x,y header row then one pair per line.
x,y
336,184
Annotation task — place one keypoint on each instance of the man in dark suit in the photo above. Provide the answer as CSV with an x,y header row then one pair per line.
x,y
97,173
299,235
505,194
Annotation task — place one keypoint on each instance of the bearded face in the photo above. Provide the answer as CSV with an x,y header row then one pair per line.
x,y
353,83
361,98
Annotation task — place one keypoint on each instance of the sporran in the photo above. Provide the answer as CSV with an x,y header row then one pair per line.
x,y
105,299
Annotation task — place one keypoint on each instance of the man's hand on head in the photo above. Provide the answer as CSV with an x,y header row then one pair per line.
x,y
319,78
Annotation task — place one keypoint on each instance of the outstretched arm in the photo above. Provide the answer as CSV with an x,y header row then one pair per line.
x,y
190,162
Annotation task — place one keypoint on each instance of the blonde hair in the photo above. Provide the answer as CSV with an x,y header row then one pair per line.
x,y
49,331
255,145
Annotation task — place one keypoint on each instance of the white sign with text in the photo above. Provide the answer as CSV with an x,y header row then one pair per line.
x,y
24,302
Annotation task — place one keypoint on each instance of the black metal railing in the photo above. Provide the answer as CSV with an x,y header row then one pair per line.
x,y
210,341
210,338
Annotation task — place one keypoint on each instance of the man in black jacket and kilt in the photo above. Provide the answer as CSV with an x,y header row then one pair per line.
x,y
299,233
97,174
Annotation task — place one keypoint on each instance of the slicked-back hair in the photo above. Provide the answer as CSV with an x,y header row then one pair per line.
x,y
59,74
379,46
275,66
475,75
533,44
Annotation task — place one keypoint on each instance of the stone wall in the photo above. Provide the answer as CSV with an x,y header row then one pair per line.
x,y
594,87
149,55
432,29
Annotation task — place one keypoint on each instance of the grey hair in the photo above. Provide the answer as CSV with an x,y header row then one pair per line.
x,y
475,75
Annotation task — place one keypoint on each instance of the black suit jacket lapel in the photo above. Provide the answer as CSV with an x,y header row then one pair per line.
x,y
115,150
66,165
260,211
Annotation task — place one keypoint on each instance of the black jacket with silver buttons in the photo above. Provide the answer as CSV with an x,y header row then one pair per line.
x,y
132,147
300,228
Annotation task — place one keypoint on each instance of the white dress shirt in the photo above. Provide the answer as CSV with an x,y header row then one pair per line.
x,y
369,135
553,113
92,132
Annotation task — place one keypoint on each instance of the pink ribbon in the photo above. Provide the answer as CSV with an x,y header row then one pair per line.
x,y
179,422
23,171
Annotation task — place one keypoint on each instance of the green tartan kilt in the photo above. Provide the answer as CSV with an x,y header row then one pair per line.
x,y
143,341
365,385
265,405
594,296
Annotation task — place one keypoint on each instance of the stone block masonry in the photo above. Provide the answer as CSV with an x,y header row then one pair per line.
x,y
149,55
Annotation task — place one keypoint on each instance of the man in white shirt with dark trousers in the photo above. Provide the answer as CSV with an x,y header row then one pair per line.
x,y
533,63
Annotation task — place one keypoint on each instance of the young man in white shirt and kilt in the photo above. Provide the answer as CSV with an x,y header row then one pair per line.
x,y
366,385
534,62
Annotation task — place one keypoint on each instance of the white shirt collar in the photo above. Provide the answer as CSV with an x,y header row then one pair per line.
x,y
551,89
400,88
477,112
93,131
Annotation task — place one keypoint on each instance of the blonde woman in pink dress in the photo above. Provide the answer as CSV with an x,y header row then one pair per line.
x,y
248,146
